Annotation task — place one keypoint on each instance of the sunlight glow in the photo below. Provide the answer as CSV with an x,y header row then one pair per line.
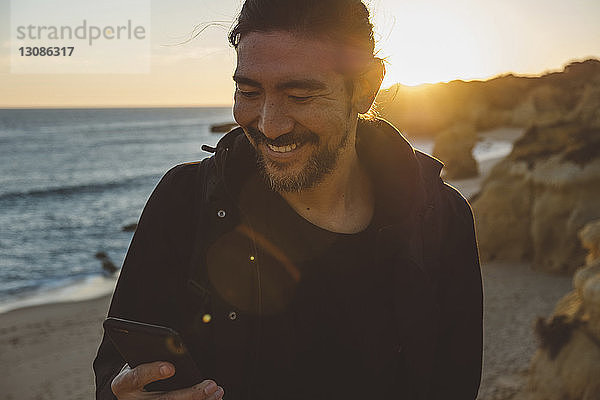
x,y
432,41
427,46
424,41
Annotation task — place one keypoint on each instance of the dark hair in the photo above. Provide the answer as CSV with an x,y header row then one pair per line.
x,y
343,21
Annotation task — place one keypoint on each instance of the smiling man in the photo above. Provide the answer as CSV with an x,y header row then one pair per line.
x,y
316,254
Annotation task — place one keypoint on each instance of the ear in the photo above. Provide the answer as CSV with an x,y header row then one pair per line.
x,y
367,86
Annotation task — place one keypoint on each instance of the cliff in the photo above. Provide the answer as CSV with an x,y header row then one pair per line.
x,y
534,202
507,100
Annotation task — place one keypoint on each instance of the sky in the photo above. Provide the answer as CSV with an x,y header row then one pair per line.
x,y
423,41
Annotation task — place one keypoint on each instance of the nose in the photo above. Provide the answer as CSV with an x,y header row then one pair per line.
x,y
273,119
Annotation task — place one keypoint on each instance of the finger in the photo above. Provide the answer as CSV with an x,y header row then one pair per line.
x,y
206,390
131,380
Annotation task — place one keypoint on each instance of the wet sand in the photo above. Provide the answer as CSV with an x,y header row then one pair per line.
x,y
46,351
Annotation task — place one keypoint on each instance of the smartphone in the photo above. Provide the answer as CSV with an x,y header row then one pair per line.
x,y
141,343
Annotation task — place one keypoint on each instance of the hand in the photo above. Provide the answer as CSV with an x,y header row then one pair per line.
x,y
129,384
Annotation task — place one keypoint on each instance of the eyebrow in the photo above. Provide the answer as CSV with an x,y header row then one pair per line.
x,y
303,84
246,81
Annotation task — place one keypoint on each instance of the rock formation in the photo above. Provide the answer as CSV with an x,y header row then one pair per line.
x,y
534,202
455,147
567,364
507,100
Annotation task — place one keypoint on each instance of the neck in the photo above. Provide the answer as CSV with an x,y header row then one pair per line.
x,y
343,202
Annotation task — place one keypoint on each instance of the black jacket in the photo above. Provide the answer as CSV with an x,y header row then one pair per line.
x,y
166,277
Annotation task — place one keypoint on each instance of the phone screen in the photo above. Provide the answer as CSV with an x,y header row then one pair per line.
x,y
140,343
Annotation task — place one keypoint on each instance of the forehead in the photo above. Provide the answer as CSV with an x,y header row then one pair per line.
x,y
283,55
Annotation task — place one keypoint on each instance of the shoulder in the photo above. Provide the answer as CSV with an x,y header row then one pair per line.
x,y
181,175
175,196
182,180
442,196
455,203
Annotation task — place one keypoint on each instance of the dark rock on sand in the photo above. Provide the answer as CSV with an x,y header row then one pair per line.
x,y
223,128
454,147
107,265
129,227
567,364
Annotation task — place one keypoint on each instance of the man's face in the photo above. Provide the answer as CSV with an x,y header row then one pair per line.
x,y
293,106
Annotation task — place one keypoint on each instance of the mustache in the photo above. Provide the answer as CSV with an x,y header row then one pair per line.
x,y
296,136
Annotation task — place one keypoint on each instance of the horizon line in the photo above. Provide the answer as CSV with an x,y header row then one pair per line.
x,y
105,106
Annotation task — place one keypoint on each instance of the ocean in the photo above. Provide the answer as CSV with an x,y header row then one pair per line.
x,y
72,178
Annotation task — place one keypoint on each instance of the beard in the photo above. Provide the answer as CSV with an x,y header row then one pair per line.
x,y
320,163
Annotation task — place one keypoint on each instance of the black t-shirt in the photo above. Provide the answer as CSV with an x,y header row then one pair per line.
x,y
331,332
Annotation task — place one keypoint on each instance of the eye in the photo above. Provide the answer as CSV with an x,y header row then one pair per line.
x,y
249,94
301,99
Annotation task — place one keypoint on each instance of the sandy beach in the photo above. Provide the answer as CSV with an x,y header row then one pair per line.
x,y
46,351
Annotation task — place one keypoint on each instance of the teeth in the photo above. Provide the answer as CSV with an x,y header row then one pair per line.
x,y
283,149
